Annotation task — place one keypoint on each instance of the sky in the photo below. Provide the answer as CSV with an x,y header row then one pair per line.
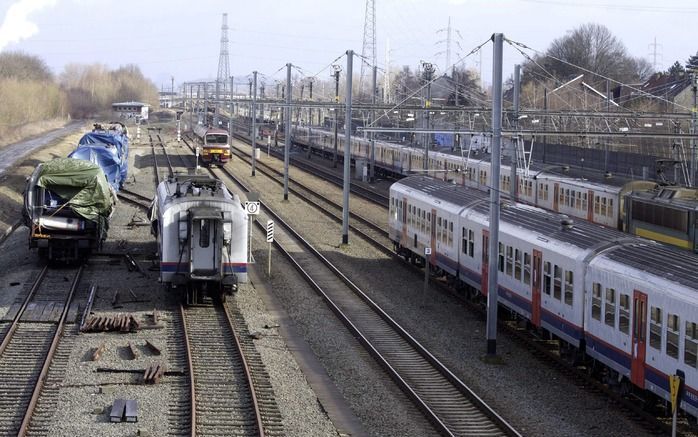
x,y
181,39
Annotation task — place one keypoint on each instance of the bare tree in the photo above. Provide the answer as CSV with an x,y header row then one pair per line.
x,y
17,65
591,47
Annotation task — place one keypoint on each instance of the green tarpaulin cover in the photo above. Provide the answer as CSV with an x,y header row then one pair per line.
x,y
82,183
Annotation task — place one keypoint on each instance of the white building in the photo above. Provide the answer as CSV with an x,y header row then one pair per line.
x,y
131,110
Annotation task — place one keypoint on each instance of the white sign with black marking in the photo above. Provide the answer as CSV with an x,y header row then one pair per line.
x,y
252,208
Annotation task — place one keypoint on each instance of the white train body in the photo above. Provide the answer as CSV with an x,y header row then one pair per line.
x,y
577,197
202,233
626,302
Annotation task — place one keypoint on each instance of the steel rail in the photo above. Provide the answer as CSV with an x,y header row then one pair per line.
x,y
477,402
15,321
49,356
190,363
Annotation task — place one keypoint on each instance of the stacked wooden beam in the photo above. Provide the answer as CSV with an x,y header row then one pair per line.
x,y
118,322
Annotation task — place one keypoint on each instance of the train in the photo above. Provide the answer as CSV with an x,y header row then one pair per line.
x,y
67,206
202,234
68,201
623,305
215,148
106,146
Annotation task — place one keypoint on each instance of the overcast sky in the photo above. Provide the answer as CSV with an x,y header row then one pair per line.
x,y
182,38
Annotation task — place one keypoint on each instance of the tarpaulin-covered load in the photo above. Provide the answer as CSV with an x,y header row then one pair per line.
x,y
110,138
106,157
80,185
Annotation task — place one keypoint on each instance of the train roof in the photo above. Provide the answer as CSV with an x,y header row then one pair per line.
x,y
639,253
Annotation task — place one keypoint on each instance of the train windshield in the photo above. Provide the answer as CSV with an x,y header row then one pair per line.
x,y
217,139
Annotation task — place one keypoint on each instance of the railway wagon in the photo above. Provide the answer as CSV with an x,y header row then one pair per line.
x,y
107,145
624,305
202,231
597,199
67,206
215,149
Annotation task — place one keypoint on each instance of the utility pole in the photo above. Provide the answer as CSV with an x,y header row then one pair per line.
x,y
386,77
230,115
337,70
372,164
310,110
205,103
368,50
428,71
545,120
347,151
254,123
287,140
172,93
514,186
492,288
694,88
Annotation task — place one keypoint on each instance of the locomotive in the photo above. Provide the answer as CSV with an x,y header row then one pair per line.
x,y
201,230
215,147
621,303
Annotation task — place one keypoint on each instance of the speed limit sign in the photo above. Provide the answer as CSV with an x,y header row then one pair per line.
x,y
252,208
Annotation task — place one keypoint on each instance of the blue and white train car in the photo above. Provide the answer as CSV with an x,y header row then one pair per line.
x,y
625,302
201,229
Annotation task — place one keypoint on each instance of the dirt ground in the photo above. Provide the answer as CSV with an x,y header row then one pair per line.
x,y
13,180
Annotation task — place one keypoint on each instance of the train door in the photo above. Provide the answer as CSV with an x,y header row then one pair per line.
x,y
485,261
590,206
535,295
637,369
433,236
556,193
204,254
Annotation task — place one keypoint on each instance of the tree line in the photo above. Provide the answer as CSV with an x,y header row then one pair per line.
x,y
30,92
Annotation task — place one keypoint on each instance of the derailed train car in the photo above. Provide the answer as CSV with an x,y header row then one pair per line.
x,y
201,229
107,147
67,205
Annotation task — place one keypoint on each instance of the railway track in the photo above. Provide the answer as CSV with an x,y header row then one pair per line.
x,y
134,198
452,407
223,400
29,340
328,175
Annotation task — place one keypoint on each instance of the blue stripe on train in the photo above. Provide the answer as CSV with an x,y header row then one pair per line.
x,y
172,267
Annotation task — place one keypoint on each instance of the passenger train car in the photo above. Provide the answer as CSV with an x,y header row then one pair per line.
x,y
215,147
626,303
201,229
597,201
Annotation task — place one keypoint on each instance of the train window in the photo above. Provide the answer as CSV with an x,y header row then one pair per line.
x,y
562,196
527,269
672,336
204,233
540,191
610,313
517,264
428,222
579,200
624,313
656,328
444,231
571,199
450,234
510,260
546,278
557,282
690,351
423,226
597,203
610,207
603,206
545,196
471,243
438,228
501,257
569,287
596,301
584,201
464,241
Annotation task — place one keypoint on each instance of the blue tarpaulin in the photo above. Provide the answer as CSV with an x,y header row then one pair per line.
x,y
105,156
109,139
